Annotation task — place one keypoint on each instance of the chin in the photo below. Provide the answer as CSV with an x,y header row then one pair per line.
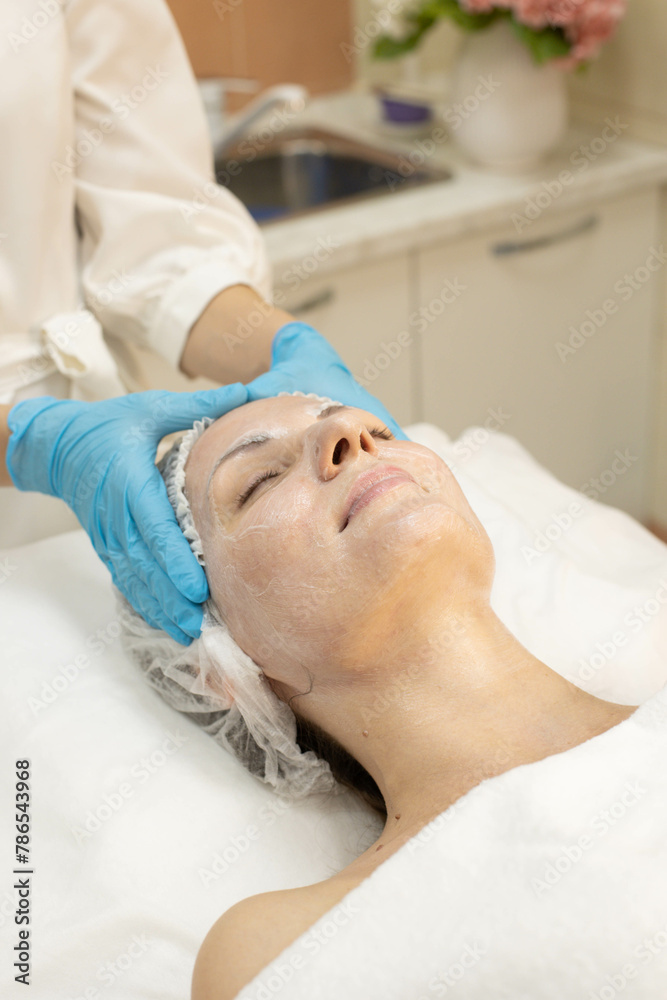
x,y
409,523
430,546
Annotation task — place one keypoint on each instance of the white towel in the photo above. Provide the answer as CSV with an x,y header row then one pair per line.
x,y
548,882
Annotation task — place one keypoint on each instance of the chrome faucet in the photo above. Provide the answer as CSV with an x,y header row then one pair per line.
x,y
227,131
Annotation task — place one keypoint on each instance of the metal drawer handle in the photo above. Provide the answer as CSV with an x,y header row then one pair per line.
x,y
524,246
318,299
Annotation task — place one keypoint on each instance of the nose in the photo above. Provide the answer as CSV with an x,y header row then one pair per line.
x,y
337,441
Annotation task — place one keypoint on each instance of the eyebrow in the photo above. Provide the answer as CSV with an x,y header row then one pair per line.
x,y
258,439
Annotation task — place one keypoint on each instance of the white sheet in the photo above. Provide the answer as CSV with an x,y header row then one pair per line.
x,y
136,891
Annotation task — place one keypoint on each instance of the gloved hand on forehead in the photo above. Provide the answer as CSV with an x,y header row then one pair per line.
x,y
100,459
302,359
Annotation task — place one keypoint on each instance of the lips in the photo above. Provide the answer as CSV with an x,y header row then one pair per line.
x,y
371,484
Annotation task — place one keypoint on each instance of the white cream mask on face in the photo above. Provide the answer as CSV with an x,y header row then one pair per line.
x,y
298,587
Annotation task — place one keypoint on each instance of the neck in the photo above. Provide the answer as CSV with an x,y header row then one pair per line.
x,y
432,722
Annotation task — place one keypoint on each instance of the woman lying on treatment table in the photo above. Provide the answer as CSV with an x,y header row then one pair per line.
x,y
341,560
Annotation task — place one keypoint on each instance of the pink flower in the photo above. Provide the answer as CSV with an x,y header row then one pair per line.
x,y
533,13
595,24
587,24
530,12
478,6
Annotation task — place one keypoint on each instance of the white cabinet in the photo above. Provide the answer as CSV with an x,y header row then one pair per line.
x,y
555,329
363,312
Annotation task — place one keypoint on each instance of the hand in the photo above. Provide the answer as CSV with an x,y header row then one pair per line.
x,y
302,359
100,459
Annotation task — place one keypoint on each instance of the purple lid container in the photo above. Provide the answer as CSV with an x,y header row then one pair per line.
x,y
403,110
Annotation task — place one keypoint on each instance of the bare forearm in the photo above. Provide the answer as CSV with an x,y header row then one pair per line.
x,y
5,478
231,340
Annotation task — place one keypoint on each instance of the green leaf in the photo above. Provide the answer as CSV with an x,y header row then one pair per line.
x,y
550,43
453,10
387,47
423,19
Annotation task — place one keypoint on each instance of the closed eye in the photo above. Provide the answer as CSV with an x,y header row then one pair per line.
x,y
242,497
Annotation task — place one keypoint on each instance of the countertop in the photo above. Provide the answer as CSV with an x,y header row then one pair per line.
x,y
473,200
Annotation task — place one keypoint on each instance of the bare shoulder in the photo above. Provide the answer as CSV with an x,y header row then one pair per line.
x,y
250,934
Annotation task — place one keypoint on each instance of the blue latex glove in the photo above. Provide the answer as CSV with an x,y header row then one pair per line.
x,y
302,359
100,459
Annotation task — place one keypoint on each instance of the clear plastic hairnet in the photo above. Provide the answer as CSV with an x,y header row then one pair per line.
x,y
213,681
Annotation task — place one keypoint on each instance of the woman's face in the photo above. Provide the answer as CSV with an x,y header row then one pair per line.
x,y
325,538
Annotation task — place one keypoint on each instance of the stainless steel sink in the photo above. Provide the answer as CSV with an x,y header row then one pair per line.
x,y
304,170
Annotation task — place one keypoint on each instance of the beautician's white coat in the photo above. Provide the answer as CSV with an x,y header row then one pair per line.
x,y
112,232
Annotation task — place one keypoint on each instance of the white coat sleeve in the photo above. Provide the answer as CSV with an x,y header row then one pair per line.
x,y
158,238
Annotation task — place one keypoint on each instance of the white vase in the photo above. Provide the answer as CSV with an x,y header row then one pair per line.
x,y
506,111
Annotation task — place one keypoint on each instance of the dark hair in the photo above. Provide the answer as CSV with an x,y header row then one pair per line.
x,y
344,767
